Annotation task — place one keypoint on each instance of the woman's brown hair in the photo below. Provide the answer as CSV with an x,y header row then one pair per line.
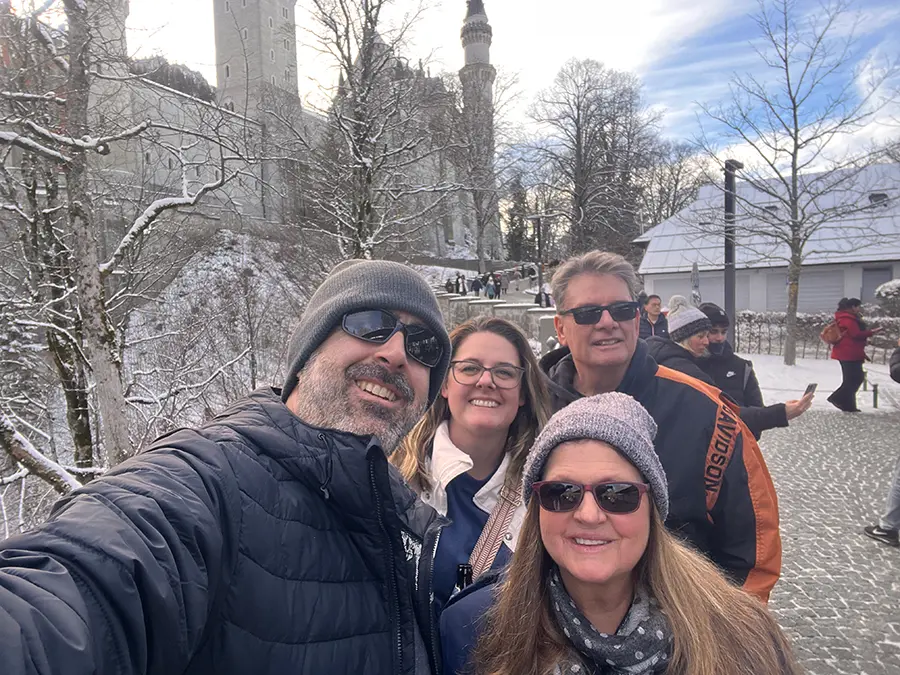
x,y
411,458
718,629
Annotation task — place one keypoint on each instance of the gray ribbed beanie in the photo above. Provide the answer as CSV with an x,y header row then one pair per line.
x,y
685,320
365,284
613,418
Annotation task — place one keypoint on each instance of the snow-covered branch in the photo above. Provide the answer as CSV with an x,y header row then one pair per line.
x,y
13,138
24,96
99,145
22,450
151,213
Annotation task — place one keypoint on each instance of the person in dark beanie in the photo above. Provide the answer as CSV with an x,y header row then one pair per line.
x,y
735,376
274,539
653,321
850,351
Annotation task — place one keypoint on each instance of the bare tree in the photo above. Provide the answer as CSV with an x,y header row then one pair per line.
x,y
596,134
377,177
89,195
669,180
790,128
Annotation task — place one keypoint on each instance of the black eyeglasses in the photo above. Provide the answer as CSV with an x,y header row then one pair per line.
x,y
379,326
504,376
591,314
618,498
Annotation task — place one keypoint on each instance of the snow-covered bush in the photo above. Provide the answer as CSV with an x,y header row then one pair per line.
x,y
888,295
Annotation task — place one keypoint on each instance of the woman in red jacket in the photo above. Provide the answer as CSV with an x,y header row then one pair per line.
x,y
851,352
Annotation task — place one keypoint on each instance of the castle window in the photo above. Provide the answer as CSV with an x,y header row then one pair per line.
x,y
227,71
273,80
243,33
218,175
227,6
878,199
271,22
272,55
284,13
147,157
287,44
171,163
197,171
243,3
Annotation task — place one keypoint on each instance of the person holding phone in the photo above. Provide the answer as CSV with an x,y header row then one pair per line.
x,y
735,376
850,351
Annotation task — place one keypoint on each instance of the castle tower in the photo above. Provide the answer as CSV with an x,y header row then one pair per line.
x,y
256,49
477,78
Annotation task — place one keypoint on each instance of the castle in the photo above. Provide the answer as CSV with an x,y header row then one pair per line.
x,y
256,69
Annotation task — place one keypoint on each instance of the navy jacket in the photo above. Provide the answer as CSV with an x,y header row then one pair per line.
x,y
729,370
255,544
721,496
659,329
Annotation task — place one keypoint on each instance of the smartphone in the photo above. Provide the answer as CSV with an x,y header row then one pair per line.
x,y
810,388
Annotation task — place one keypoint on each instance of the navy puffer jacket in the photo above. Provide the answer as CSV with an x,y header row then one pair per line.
x,y
255,544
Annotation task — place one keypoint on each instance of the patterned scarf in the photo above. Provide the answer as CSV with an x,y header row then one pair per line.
x,y
641,645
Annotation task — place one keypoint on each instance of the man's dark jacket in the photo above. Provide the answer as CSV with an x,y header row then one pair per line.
x,y
256,544
648,330
721,496
755,415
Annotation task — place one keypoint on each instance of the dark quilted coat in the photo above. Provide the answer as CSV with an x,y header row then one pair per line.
x,y
254,545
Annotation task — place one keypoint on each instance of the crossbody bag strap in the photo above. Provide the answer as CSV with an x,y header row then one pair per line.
x,y
495,529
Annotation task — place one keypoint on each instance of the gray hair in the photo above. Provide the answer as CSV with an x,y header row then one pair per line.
x,y
593,262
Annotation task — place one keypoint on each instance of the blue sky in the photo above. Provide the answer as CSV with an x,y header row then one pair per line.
x,y
684,50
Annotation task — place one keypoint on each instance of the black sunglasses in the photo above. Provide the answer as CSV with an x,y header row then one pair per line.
x,y
591,314
379,326
620,497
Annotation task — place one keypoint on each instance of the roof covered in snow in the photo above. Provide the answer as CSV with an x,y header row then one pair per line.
x,y
855,216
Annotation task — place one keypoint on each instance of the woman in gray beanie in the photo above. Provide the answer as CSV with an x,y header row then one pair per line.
x,y
597,584
688,340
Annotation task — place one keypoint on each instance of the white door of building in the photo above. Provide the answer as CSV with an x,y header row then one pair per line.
x,y
819,291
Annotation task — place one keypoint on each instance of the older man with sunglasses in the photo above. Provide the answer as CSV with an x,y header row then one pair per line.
x,y
274,539
722,498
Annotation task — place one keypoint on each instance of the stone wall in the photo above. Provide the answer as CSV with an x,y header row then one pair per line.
x,y
536,322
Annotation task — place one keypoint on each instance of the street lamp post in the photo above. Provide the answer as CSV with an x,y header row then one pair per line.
x,y
731,166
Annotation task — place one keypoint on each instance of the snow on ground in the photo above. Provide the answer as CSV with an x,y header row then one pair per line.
x,y
781,383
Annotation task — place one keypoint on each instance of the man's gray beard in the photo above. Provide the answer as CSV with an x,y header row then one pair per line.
x,y
323,400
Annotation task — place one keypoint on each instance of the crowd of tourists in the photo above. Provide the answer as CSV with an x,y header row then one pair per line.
x,y
413,502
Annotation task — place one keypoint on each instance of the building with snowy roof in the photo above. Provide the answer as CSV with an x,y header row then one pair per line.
x,y
853,242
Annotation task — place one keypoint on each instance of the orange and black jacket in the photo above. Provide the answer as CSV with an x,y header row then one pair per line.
x,y
721,495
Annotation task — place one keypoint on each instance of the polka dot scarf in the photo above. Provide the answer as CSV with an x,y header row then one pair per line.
x,y
641,645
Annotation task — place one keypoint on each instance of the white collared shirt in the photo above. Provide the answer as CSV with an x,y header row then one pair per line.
x,y
447,462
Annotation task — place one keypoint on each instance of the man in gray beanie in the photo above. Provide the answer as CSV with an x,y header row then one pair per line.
x,y
274,539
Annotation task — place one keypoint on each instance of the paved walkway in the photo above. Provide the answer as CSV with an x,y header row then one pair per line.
x,y
839,595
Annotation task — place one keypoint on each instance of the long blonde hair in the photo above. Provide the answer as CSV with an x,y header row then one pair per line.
x,y
411,458
521,636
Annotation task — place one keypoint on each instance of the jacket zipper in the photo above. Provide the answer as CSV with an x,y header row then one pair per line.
x,y
394,592
430,605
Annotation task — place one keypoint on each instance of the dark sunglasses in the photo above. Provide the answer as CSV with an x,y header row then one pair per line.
x,y
379,326
591,314
558,496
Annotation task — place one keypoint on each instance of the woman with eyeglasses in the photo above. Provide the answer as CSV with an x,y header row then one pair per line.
x,y
597,585
465,457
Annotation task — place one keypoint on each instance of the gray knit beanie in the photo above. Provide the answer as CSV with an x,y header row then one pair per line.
x,y
685,320
365,284
613,418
